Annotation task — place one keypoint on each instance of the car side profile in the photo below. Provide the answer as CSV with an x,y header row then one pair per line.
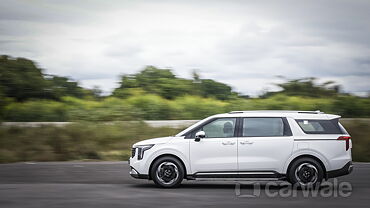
x,y
302,147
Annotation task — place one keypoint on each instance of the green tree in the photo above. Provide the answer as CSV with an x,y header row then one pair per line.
x,y
152,80
306,87
211,88
164,83
21,79
63,86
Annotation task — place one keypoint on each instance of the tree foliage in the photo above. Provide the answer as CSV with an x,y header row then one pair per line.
x,y
306,87
164,83
27,94
21,80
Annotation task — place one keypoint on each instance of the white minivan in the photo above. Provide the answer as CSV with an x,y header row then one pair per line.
x,y
302,147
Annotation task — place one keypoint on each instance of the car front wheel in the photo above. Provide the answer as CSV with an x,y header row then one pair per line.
x,y
167,172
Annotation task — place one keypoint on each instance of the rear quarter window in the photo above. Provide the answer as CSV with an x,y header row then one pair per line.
x,y
320,126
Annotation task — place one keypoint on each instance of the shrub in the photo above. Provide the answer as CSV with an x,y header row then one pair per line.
x,y
40,110
77,141
359,129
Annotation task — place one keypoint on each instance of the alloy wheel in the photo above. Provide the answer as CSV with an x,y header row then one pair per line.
x,y
167,173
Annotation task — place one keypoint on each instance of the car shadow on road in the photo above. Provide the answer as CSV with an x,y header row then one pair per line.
x,y
189,186
240,185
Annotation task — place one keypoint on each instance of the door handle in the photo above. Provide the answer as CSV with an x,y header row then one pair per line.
x,y
228,143
246,142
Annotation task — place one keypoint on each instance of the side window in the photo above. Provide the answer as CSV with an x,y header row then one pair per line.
x,y
320,126
219,128
263,127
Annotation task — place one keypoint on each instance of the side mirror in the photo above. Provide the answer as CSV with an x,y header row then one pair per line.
x,y
199,135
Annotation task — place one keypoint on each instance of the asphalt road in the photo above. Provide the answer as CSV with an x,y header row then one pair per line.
x,y
108,184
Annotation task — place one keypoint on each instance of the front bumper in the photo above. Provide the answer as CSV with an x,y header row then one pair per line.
x,y
135,174
345,170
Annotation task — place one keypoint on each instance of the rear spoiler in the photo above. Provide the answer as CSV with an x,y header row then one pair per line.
x,y
332,116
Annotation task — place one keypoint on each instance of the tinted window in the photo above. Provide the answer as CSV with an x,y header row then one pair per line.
x,y
257,127
320,126
222,127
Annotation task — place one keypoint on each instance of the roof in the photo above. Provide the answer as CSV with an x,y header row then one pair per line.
x,y
278,111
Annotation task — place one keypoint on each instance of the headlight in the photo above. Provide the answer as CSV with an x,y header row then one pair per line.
x,y
141,149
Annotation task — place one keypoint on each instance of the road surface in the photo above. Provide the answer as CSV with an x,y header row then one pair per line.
x,y
107,184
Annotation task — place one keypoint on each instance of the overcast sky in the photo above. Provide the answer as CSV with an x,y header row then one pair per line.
x,y
245,44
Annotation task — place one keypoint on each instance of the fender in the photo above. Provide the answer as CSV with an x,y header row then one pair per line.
x,y
306,152
170,151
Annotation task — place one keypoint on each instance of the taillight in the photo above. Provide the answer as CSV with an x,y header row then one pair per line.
x,y
345,138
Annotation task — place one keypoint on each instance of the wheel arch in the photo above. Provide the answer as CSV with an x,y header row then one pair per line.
x,y
167,155
306,156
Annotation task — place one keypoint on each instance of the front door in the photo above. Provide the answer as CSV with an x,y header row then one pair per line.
x,y
217,152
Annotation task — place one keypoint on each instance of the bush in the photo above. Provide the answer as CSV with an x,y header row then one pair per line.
x,y
110,109
359,129
77,141
350,106
153,107
41,110
192,107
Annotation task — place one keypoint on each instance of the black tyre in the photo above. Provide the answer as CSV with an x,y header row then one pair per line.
x,y
167,172
305,172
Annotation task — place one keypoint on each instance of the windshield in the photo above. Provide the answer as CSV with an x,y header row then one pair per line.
x,y
183,132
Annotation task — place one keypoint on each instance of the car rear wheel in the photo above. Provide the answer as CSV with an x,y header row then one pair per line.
x,y
305,172
167,172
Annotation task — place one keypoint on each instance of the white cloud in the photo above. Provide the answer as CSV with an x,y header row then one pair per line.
x,y
243,43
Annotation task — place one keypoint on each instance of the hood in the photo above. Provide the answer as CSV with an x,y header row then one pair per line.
x,y
160,140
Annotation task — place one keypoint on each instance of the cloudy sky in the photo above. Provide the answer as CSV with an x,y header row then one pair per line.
x,y
243,43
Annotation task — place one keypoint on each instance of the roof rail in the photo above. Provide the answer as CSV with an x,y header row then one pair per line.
x,y
277,111
313,112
